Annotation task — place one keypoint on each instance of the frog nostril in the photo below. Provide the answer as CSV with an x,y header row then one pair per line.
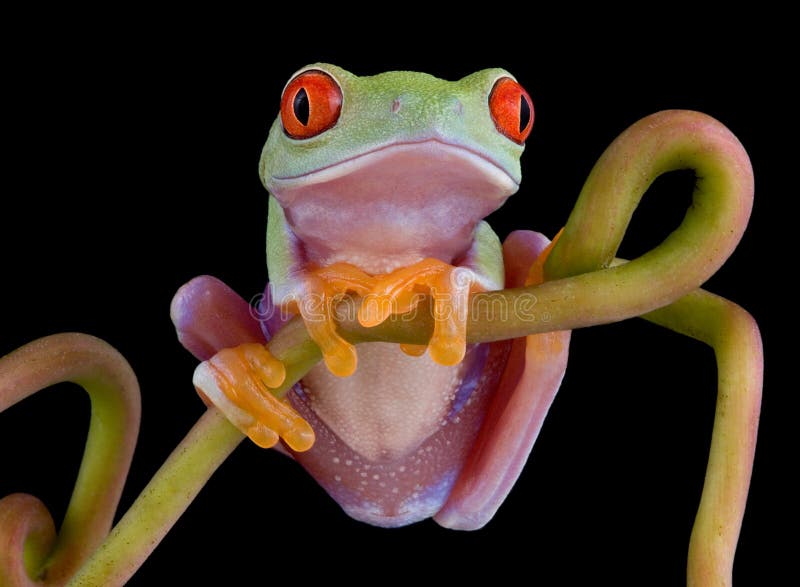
x,y
396,104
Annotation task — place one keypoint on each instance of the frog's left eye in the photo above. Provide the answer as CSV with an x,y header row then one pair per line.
x,y
512,109
311,104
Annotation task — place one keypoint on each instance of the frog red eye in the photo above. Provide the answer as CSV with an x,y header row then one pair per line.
x,y
512,109
310,105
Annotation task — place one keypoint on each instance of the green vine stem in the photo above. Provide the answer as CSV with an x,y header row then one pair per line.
x,y
735,338
585,290
163,501
709,233
30,552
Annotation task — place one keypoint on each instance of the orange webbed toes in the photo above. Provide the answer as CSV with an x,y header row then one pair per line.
x,y
384,296
237,381
399,292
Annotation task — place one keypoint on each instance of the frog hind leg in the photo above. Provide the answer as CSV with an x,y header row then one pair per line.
x,y
518,407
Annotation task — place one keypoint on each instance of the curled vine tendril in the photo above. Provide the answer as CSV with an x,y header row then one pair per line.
x,y
30,551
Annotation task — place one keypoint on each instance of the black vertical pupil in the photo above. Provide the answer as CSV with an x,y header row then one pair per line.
x,y
524,112
300,106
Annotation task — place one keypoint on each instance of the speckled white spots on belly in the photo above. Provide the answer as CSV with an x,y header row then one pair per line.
x,y
414,485
384,417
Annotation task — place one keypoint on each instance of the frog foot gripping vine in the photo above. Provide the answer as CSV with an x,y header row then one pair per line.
x,y
261,378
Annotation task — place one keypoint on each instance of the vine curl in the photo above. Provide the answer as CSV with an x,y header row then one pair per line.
x,y
30,551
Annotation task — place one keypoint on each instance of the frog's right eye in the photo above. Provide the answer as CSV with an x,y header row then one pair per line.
x,y
311,104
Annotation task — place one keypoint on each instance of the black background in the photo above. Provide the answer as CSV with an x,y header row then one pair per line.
x,y
131,148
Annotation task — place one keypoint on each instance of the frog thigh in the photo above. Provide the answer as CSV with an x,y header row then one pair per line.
x,y
517,410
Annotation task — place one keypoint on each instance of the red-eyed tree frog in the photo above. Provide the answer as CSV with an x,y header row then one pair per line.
x,y
378,187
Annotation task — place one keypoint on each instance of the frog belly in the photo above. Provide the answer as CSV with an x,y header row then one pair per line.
x,y
391,443
389,406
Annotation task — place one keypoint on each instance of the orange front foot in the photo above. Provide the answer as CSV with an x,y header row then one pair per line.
x,y
322,286
399,292
238,381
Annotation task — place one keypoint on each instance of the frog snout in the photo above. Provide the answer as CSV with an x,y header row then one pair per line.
x,y
411,104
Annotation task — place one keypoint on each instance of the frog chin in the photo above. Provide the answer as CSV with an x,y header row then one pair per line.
x,y
393,204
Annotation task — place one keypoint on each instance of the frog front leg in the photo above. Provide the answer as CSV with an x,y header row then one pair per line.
x,y
238,380
311,290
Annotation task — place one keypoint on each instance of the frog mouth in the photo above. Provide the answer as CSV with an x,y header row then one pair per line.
x,y
435,161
